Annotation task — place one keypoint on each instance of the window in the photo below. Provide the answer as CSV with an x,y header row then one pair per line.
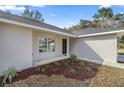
x,y
51,45
46,45
43,45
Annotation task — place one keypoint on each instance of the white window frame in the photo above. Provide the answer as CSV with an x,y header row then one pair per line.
x,y
39,44
47,44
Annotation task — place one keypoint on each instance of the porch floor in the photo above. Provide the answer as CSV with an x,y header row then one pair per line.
x,y
46,61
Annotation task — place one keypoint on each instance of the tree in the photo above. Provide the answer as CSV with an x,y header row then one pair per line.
x,y
73,28
103,17
119,20
105,13
118,16
32,14
95,23
84,23
96,16
28,13
81,25
38,16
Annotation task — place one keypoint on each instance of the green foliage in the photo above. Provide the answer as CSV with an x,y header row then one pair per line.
x,y
32,14
120,46
105,13
100,20
27,12
73,58
9,74
96,16
73,28
120,42
102,16
84,23
118,16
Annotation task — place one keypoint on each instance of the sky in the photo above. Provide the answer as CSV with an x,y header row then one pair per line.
x,y
63,15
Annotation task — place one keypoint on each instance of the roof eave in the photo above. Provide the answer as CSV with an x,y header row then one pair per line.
x,y
35,27
103,33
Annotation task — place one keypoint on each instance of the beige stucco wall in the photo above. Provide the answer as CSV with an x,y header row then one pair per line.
x,y
99,49
45,55
15,47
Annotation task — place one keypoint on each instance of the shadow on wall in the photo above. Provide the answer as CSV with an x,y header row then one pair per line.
x,y
83,51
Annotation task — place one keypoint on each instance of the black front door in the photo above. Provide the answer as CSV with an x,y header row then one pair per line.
x,y
64,46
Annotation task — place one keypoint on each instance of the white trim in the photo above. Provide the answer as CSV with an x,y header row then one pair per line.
x,y
102,33
35,27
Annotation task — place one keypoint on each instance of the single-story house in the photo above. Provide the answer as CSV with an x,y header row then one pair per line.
x,y
26,42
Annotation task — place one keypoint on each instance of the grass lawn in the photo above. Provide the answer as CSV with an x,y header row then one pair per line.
x,y
78,74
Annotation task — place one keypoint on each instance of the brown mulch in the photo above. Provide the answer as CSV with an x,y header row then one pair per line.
x,y
78,70
83,71
47,81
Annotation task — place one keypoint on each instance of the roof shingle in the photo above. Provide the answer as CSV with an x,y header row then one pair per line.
x,y
91,30
31,22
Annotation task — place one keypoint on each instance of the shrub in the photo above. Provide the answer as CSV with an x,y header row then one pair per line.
x,y
9,74
73,58
40,69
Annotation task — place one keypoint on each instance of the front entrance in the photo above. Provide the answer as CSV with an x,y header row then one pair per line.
x,y
64,46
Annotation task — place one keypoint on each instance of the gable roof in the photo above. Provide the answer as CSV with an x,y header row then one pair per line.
x,y
32,22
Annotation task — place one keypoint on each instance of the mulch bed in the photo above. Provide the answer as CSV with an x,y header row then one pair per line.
x,y
78,70
47,81
99,75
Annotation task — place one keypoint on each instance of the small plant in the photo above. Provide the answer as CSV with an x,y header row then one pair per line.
x,y
73,58
40,69
9,75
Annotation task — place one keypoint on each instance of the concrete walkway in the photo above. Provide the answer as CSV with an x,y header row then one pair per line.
x,y
46,61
